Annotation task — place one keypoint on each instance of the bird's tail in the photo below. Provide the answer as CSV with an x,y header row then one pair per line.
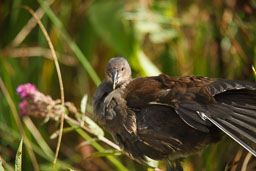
x,y
235,114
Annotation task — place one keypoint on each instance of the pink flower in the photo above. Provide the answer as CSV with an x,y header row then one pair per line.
x,y
23,106
25,89
36,103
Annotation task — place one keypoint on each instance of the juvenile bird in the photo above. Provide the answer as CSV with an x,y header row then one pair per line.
x,y
165,117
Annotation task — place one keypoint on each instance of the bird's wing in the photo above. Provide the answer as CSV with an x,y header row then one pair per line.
x,y
200,102
233,110
183,94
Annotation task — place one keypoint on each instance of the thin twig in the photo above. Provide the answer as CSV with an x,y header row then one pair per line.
x,y
246,161
58,73
19,123
236,160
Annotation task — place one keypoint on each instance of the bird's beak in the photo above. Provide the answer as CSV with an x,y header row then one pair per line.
x,y
115,78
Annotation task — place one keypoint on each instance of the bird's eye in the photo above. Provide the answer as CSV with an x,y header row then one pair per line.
x,y
122,68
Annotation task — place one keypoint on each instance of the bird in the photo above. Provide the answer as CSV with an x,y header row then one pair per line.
x,y
164,117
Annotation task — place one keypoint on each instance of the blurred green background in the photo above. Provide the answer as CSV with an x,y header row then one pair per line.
x,y
208,38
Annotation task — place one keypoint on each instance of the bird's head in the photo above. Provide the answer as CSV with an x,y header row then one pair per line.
x,y
118,71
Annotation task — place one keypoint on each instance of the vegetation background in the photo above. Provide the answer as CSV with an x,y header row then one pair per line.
x,y
209,38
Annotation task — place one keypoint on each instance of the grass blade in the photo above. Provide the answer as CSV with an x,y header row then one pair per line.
x,y
1,166
18,161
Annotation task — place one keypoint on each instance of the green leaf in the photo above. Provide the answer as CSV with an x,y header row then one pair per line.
x,y
65,130
1,166
69,169
151,162
18,161
83,104
105,153
91,124
90,141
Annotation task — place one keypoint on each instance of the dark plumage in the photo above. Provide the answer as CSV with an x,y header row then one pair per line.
x,y
170,117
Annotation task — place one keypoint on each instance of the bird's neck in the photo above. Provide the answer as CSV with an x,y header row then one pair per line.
x,y
121,85
124,83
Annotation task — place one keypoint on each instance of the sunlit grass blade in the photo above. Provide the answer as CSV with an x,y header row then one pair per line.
x,y
18,160
106,153
1,166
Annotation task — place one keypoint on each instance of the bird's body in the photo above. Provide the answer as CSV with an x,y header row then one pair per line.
x,y
170,117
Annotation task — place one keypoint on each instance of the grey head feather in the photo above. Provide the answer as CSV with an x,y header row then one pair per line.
x,y
118,71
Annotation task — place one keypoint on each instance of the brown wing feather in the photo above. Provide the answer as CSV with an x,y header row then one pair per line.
x,y
180,93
